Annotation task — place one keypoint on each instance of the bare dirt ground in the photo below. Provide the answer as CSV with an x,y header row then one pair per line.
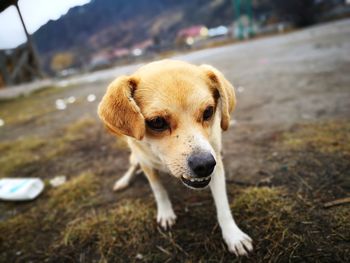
x,y
287,154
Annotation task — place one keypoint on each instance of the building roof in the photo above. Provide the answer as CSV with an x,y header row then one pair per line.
x,y
192,31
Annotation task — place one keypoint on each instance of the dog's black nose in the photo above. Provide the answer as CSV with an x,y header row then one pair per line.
x,y
202,164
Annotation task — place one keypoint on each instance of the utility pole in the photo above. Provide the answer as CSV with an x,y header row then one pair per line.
x,y
22,64
243,8
31,47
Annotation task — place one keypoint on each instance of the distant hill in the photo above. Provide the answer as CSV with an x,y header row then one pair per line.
x,y
122,23
103,24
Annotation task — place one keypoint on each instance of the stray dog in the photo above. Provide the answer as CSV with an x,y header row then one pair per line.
x,y
171,113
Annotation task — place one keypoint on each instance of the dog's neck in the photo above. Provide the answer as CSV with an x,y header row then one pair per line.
x,y
144,154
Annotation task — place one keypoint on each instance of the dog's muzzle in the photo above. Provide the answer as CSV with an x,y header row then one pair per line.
x,y
202,165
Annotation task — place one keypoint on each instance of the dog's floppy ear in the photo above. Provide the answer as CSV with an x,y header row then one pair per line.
x,y
226,93
119,111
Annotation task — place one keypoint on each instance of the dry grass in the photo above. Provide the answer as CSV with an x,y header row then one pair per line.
x,y
15,155
34,229
330,137
82,221
129,229
126,226
30,108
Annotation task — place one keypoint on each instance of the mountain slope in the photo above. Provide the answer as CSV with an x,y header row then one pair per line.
x,y
122,23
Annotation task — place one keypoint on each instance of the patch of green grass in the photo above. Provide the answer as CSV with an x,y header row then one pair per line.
x,y
116,232
28,108
314,159
268,216
16,154
79,190
79,129
326,137
76,131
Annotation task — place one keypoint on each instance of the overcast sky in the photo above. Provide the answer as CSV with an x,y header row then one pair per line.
x,y
35,14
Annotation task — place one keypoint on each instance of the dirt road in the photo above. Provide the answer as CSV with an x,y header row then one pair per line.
x,y
286,155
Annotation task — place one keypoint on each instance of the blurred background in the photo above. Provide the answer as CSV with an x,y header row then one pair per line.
x,y
70,37
286,154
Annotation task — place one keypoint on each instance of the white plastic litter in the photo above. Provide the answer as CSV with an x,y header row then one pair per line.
x,y
91,97
58,180
2,122
233,122
71,99
60,104
20,189
240,89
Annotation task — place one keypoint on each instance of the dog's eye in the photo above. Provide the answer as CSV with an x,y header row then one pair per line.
x,y
208,113
157,124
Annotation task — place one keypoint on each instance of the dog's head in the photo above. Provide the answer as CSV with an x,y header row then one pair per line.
x,y
176,109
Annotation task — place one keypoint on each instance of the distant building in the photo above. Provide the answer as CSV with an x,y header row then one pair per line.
x,y
218,31
121,52
192,34
141,47
100,61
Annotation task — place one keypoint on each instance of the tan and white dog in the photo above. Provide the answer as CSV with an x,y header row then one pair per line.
x,y
171,113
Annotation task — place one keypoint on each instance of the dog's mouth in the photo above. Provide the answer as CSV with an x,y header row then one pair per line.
x,y
196,183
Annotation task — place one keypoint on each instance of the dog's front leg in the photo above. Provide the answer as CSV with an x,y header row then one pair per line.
x,y
237,241
165,214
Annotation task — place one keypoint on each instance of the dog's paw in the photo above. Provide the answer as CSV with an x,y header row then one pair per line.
x,y
121,184
238,242
166,218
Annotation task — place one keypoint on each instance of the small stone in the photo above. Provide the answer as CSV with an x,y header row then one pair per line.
x,y
139,256
240,89
58,180
60,104
91,98
71,99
